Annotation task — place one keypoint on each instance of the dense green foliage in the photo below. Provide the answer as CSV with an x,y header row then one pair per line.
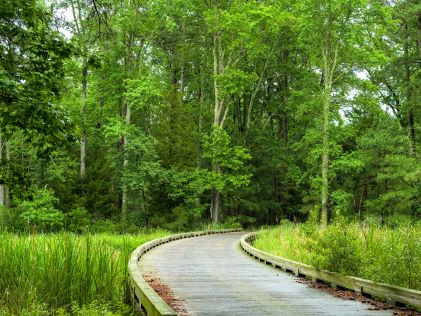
x,y
117,115
151,113
40,274
388,254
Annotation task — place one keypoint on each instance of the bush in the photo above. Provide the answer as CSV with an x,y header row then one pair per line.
x,y
8,219
393,256
78,220
336,248
104,226
234,221
40,212
379,253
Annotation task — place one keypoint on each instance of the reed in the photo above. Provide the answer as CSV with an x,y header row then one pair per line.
x,y
62,271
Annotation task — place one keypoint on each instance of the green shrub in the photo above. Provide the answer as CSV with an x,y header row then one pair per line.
x,y
9,219
389,254
78,220
232,222
393,256
104,226
336,248
40,212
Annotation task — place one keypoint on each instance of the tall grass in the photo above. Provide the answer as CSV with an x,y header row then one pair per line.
x,y
64,270
285,241
383,254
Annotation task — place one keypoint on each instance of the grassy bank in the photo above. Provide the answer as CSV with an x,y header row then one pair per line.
x,y
66,273
379,253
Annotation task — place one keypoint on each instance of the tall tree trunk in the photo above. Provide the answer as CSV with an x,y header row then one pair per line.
x,y
1,162
409,104
220,113
124,202
183,62
80,31
200,121
215,205
84,134
216,200
330,57
411,122
325,158
6,188
129,66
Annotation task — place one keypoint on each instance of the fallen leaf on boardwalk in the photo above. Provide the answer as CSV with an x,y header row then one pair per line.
x,y
166,294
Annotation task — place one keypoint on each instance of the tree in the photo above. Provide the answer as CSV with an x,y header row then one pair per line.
x,y
230,161
336,25
31,71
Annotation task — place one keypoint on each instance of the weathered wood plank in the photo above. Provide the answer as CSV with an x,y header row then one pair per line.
x,y
144,299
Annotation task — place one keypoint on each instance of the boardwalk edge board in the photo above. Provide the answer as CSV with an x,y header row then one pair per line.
x,y
143,297
396,295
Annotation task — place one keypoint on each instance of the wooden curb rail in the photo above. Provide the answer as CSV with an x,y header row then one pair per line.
x,y
144,299
393,294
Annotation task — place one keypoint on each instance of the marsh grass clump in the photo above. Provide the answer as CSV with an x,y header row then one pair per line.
x,y
64,271
387,254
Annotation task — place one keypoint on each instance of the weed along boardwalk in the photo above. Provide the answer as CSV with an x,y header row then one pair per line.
x,y
211,275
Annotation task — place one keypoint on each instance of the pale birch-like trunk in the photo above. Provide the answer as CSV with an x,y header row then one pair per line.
x,y
126,114
84,133
182,69
220,113
124,199
330,57
215,205
80,31
325,157
6,188
408,92
200,121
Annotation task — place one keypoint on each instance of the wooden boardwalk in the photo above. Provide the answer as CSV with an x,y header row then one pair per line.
x,y
215,277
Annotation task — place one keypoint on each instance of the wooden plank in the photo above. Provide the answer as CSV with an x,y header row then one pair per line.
x,y
212,276
143,297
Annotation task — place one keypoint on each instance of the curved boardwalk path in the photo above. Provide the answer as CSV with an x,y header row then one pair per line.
x,y
215,277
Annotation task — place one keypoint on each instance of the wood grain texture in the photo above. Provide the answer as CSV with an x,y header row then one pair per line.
x,y
144,299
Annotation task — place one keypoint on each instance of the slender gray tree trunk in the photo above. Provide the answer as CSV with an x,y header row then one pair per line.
x,y
6,188
200,121
409,99
83,136
330,59
124,200
219,117
215,205
325,158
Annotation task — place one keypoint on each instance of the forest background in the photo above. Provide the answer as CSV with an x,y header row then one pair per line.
x,y
116,115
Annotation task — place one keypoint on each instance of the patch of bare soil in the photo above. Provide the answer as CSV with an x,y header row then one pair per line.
x,y
353,296
166,293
